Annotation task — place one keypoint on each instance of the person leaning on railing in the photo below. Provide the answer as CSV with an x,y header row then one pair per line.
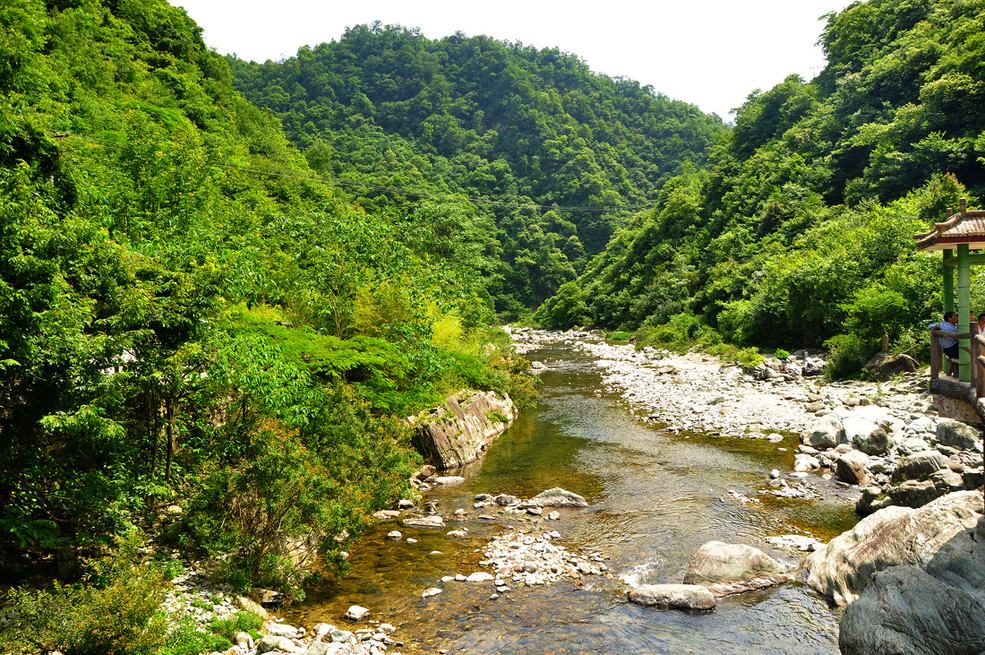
x,y
948,344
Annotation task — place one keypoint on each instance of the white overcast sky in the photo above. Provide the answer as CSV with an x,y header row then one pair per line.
x,y
712,53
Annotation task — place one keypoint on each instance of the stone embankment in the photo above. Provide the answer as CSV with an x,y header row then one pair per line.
x,y
460,429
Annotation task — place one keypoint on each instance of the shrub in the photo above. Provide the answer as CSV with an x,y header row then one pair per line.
x,y
745,357
781,353
187,639
499,417
115,610
242,621
849,353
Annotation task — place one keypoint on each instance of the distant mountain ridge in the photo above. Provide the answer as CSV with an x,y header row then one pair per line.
x,y
507,125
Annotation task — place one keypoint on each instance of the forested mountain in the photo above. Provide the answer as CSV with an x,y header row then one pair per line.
x,y
799,231
198,338
525,153
212,314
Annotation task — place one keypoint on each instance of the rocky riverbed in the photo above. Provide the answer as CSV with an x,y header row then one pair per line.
x,y
883,441
914,565
883,438
699,393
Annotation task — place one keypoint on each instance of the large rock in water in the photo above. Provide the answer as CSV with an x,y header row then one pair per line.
x,y
893,536
690,597
733,568
460,429
905,610
557,497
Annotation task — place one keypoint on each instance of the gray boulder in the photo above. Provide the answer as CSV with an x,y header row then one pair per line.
x,y
919,465
841,569
826,432
905,610
694,598
914,493
947,481
872,500
874,443
557,497
448,480
812,366
973,478
853,468
859,422
280,629
884,366
356,613
337,636
431,521
506,500
323,648
733,568
273,642
804,463
958,435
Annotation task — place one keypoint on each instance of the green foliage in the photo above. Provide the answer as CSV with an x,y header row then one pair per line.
x,y
499,417
800,228
747,358
154,225
849,353
116,612
682,333
780,353
241,621
507,162
186,639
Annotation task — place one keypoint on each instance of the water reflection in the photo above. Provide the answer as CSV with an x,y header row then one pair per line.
x,y
656,498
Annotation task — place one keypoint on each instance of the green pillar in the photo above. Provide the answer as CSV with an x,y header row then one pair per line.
x,y
964,310
948,281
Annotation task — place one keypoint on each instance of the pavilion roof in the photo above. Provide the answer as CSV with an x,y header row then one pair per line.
x,y
963,227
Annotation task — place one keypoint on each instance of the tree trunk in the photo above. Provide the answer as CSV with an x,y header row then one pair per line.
x,y
169,425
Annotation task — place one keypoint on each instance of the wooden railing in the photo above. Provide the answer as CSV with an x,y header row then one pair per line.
x,y
976,349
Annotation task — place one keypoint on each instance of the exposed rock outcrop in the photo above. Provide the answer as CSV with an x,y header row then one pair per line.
x,y
461,428
905,610
893,536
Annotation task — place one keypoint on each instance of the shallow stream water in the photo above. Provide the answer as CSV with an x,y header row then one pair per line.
x,y
655,499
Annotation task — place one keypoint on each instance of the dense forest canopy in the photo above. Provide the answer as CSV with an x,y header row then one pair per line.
x,y
222,283
190,318
542,156
799,231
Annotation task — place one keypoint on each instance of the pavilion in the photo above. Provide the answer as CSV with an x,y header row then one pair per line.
x,y
961,238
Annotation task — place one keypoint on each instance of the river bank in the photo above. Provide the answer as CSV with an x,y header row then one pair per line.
x,y
655,499
696,392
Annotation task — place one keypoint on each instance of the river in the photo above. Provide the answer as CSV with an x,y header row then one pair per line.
x,y
655,499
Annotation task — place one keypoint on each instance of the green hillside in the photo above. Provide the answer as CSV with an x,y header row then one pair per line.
x,y
535,152
798,232
199,339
